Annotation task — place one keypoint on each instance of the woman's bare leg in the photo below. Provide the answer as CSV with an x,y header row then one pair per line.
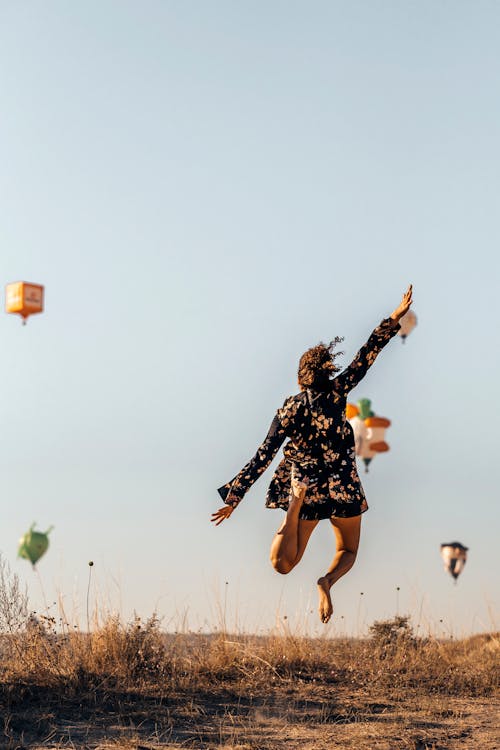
x,y
347,532
291,539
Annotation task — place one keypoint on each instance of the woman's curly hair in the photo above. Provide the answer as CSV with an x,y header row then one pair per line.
x,y
317,366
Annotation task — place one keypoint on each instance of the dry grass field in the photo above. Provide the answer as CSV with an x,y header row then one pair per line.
x,y
132,686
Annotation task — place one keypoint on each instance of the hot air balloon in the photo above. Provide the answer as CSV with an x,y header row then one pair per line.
x,y
34,544
454,557
407,323
369,430
24,299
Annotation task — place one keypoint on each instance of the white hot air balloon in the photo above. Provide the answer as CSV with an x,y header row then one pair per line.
x,y
407,323
454,557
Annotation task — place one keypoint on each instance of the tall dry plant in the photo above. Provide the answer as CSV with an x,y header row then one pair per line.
x,y
13,600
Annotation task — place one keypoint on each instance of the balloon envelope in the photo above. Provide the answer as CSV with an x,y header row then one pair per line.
x,y
407,323
369,430
33,545
24,298
454,557
351,411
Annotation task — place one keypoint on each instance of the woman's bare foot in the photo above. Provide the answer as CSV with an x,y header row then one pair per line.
x,y
325,601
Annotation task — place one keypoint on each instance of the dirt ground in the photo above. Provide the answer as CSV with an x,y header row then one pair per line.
x,y
291,714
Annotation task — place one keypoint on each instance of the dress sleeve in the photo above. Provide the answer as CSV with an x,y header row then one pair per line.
x,y
239,486
366,356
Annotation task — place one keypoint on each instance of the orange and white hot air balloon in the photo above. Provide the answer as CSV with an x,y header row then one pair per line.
x,y
369,430
24,299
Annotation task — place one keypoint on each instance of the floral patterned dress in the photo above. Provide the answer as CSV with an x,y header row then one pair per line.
x,y
320,445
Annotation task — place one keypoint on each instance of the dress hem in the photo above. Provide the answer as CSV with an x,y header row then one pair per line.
x,y
318,516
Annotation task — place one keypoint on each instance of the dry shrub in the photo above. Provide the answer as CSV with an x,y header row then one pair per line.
x,y
135,651
392,635
399,659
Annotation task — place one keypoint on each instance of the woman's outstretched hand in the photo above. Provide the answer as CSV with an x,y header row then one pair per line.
x,y
404,306
220,515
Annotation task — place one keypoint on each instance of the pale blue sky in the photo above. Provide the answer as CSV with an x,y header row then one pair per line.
x,y
206,189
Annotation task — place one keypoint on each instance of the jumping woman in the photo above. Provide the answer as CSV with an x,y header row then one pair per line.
x,y
317,478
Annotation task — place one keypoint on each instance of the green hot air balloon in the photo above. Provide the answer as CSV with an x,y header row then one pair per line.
x,y
34,544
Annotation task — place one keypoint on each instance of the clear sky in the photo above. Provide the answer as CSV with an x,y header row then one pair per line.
x,y
206,189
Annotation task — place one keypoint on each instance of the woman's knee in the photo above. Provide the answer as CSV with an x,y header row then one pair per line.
x,y
281,565
351,556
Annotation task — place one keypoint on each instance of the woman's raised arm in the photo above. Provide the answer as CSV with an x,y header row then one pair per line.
x,y
367,355
404,305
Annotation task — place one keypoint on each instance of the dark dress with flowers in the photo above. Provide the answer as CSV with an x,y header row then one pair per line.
x,y
320,445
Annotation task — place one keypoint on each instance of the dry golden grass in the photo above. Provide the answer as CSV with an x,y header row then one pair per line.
x,y
132,686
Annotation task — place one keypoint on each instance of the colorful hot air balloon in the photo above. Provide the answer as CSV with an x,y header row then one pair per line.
x,y
24,299
454,557
369,430
407,323
34,544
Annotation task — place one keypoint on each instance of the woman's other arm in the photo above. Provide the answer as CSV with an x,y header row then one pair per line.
x,y
232,492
